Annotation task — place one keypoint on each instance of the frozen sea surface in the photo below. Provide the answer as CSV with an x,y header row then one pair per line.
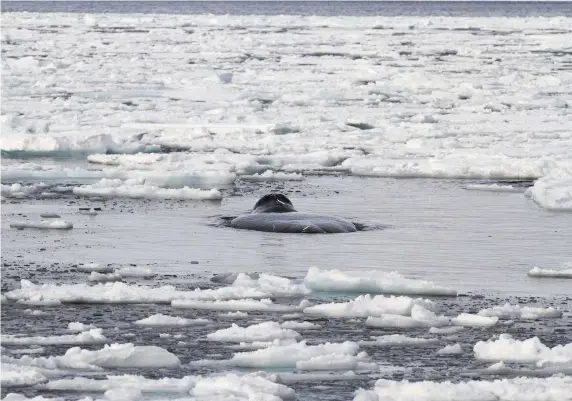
x,y
129,140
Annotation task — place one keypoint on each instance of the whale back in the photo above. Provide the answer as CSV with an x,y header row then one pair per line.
x,y
273,203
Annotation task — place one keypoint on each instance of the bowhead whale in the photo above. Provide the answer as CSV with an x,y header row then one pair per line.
x,y
275,213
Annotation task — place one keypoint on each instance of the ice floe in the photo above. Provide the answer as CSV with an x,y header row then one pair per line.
x,y
494,188
79,327
376,282
468,319
110,356
520,388
159,319
266,331
17,375
118,292
45,225
294,325
540,272
419,317
137,189
92,336
554,191
453,349
532,350
509,311
329,356
263,305
366,306
391,340
239,387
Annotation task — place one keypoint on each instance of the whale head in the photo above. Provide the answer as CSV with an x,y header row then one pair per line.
x,y
273,203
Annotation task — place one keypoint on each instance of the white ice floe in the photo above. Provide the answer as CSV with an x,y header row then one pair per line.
x,y
38,300
227,386
392,340
18,190
554,191
119,292
366,305
294,325
79,327
540,272
92,336
266,331
377,282
270,175
233,315
446,330
110,356
159,319
418,316
453,349
468,319
254,345
329,356
135,272
50,216
532,350
104,277
45,225
509,311
138,190
264,305
36,312
17,375
519,388
34,350
494,188
270,284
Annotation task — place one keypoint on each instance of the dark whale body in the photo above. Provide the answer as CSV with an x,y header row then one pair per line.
x,y
275,213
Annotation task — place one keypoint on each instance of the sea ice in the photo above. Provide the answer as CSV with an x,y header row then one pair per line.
x,y
110,356
532,350
419,317
119,292
329,356
104,277
392,340
468,319
135,189
17,375
266,331
494,188
520,388
79,327
292,324
165,320
376,282
508,311
366,306
92,336
45,225
540,272
264,305
452,349
239,387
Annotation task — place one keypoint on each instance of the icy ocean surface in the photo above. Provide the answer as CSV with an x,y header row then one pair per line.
x,y
129,140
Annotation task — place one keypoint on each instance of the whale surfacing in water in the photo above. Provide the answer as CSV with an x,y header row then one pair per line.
x,y
275,213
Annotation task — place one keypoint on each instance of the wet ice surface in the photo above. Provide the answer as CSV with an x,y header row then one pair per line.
x,y
448,143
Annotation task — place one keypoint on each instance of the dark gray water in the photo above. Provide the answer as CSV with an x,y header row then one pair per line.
x,y
323,8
